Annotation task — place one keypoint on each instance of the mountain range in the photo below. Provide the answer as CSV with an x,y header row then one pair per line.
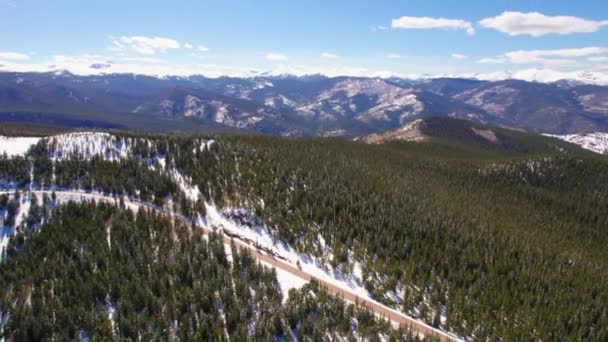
x,y
287,105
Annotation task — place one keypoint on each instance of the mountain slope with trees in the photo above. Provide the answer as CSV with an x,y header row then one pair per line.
x,y
295,106
483,242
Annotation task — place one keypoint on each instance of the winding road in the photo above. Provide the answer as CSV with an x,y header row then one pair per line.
x,y
379,309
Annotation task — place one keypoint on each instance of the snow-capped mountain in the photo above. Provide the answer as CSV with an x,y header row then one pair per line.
x,y
297,106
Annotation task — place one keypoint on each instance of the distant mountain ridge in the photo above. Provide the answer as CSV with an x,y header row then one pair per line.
x,y
297,106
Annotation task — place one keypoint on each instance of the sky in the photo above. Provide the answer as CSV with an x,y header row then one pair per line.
x,y
410,38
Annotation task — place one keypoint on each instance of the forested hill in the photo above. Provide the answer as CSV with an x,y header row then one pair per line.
x,y
474,139
482,243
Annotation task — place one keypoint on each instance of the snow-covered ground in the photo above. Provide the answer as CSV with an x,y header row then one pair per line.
x,y
258,235
287,281
85,145
16,146
81,145
596,142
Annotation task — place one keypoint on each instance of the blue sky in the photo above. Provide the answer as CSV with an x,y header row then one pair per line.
x,y
233,37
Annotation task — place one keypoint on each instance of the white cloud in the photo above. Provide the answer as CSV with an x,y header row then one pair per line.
x,y
535,56
329,55
432,23
202,48
492,60
548,58
14,56
276,57
90,64
598,59
393,56
537,24
188,46
145,45
458,56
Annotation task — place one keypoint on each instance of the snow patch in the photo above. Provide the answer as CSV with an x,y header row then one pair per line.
x,y
596,142
86,145
287,281
16,146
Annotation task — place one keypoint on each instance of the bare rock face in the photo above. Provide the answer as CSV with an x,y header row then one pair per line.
x,y
487,134
409,132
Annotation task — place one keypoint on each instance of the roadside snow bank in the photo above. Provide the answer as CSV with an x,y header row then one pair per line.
x,y
238,222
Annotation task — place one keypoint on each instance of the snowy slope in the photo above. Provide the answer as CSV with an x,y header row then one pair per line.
x,y
596,142
238,222
85,145
16,146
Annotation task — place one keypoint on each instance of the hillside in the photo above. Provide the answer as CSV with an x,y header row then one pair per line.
x,y
475,138
478,242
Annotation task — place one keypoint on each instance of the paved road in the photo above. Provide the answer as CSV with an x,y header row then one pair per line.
x,y
379,309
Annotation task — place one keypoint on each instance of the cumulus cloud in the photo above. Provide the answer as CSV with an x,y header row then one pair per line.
x,y
419,23
145,45
188,46
202,48
458,56
13,56
537,24
393,56
276,57
329,55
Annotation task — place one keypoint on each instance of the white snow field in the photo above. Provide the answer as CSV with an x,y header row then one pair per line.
x,y
596,142
16,146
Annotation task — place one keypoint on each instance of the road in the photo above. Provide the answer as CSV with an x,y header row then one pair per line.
x,y
379,309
